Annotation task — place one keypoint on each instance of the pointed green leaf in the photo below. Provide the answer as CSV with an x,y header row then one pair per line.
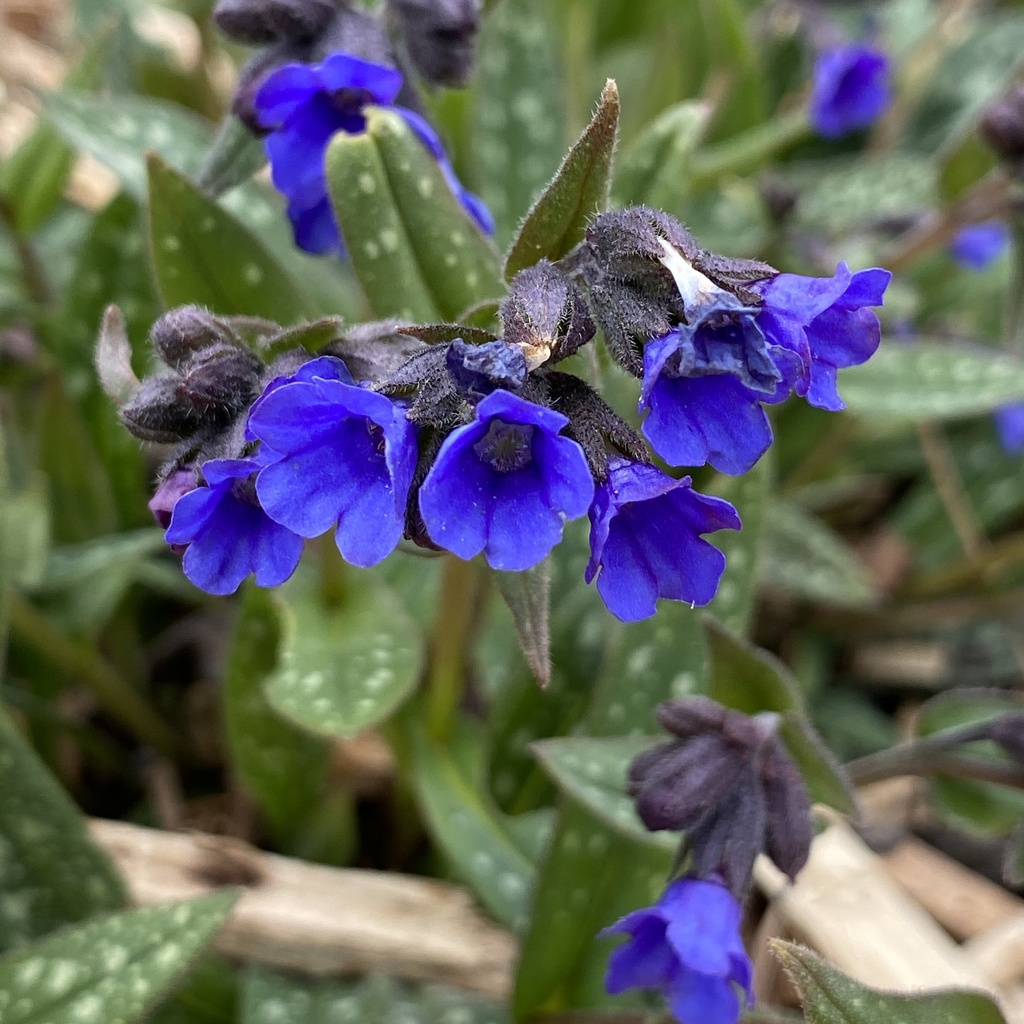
x,y
283,767
203,255
234,156
470,831
528,596
378,245
110,969
119,130
518,112
52,872
830,997
458,264
931,380
558,219
347,666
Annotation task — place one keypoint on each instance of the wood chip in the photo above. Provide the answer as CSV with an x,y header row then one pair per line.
x,y
319,920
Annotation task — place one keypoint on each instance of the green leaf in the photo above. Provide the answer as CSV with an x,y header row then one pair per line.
x,y
283,767
234,156
518,110
803,557
457,262
25,533
52,872
751,493
379,247
931,380
558,219
203,255
469,830
592,771
528,596
830,997
119,130
655,168
110,969
344,666
1013,857
964,707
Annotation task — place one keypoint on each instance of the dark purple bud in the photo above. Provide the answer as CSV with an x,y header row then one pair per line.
x,y
439,36
258,22
159,413
480,369
181,333
789,811
1002,125
223,378
1008,732
177,483
545,315
691,716
253,75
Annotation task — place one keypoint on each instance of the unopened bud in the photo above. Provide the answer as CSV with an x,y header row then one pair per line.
x,y
175,485
222,377
158,413
258,22
179,334
1002,125
1008,732
440,37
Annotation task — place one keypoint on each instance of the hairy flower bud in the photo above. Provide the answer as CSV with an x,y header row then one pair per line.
x,y
545,315
729,783
1008,732
223,377
1002,125
182,332
258,22
440,37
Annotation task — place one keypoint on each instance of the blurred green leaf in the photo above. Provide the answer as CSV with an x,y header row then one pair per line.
x,y
234,156
458,263
518,110
120,130
203,255
110,969
963,707
471,832
931,380
25,534
283,767
51,872
344,666
830,997
208,996
379,247
1013,857
580,188
803,557
528,597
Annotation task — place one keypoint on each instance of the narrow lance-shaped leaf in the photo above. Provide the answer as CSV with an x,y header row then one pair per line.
x,y
558,220
111,968
203,255
457,262
379,248
114,358
52,872
528,596
830,997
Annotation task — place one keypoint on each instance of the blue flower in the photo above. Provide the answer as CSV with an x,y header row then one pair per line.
x,y
978,246
228,535
505,483
303,106
851,89
1010,425
645,540
825,322
704,381
688,945
347,457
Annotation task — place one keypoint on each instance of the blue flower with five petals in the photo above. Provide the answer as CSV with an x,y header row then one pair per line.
x,y
978,246
850,91
302,106
645,540
505,483
227,533
688,945
346,460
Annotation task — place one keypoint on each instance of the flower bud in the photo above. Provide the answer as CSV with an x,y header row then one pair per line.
x,y
1002,125
258,22
545,315
224,378
1008,732
479,369
173,486
184,331
440,37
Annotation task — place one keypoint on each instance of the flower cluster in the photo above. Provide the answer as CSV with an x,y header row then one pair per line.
x,y
478,443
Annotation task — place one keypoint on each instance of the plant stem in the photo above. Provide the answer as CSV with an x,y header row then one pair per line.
x,y
32,274
83,665
446,675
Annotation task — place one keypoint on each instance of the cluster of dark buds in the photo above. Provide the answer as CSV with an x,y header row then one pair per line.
x,y
321,64
475,443
1002,127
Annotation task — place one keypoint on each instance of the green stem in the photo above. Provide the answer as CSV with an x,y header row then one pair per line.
x,y
749,150
83,665
37,286
446,675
